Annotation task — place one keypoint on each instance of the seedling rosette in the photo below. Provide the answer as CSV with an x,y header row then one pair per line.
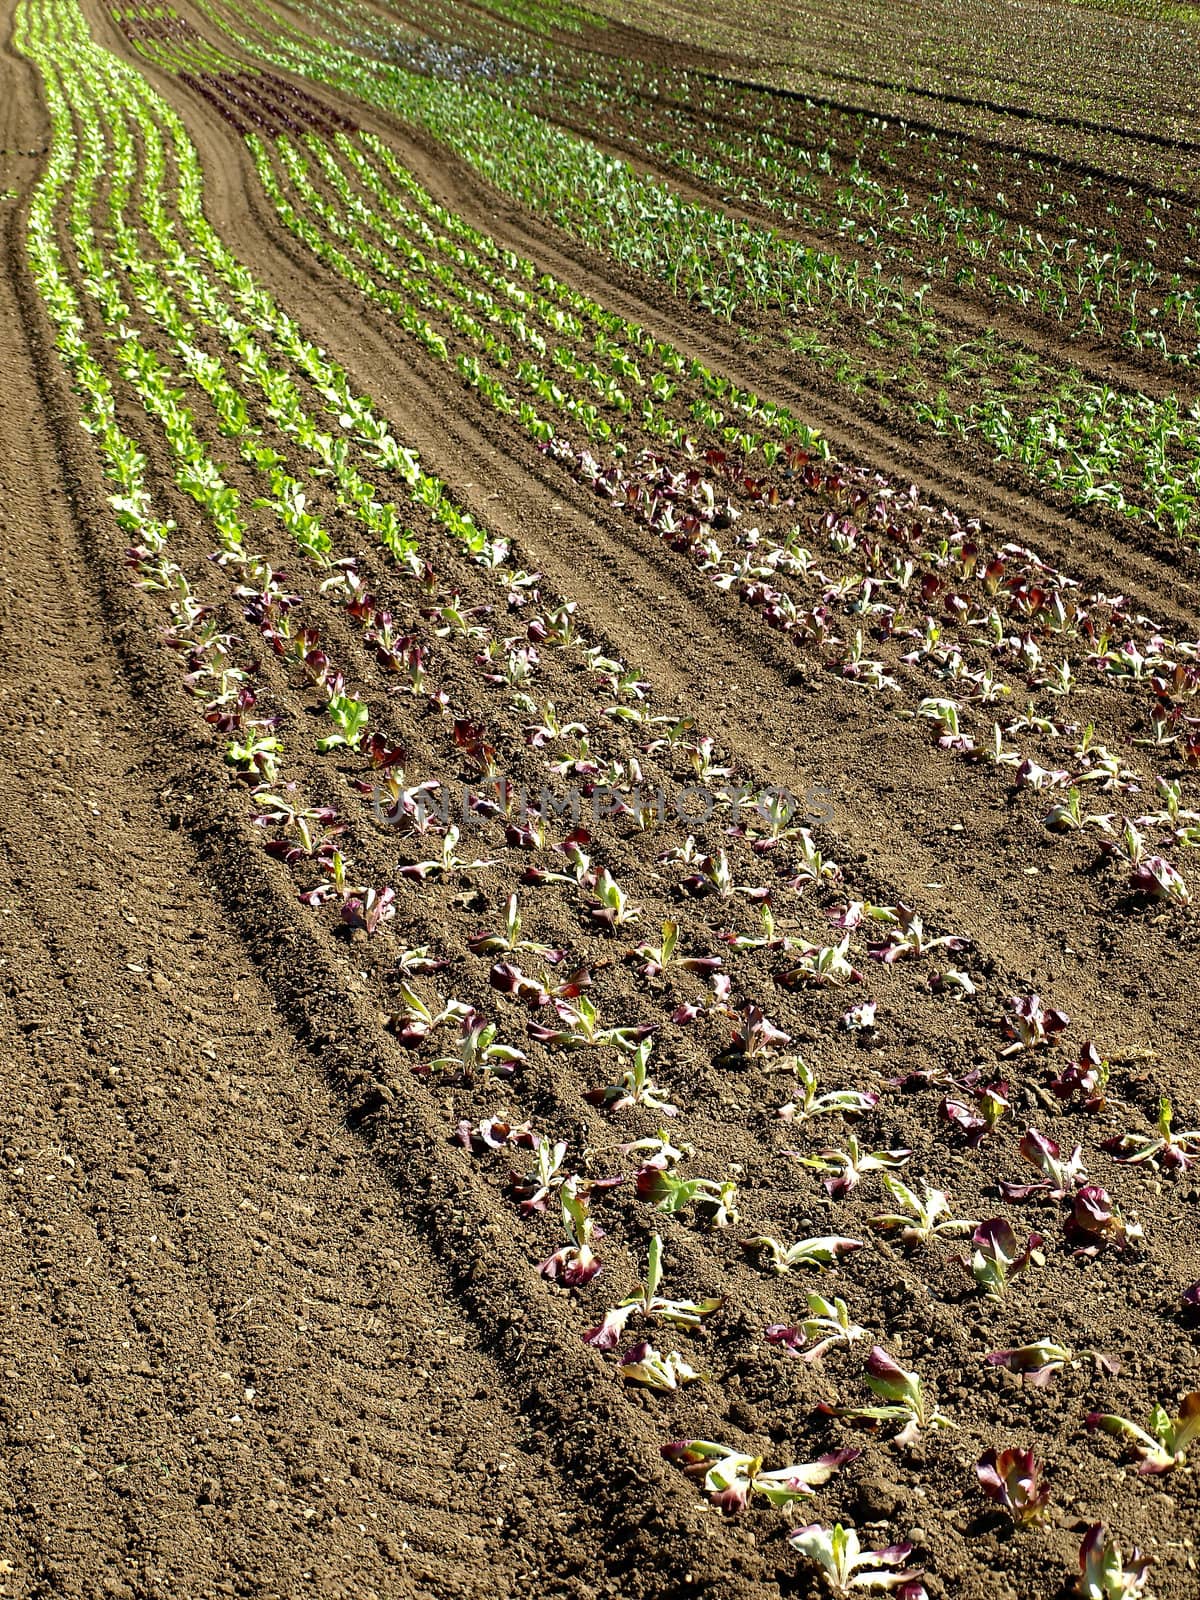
x,y
998,1256
731,1479
904,1397
649,1303
919,1219
828,1322
635,1088
644,1364
574,1264
1029,1026
1104,1571
715,1199
1095,1224
806,1103
822,1251
1060,1177
1013,1480
1164,1445
846,1566
1038,1363
845,1168
1174,1150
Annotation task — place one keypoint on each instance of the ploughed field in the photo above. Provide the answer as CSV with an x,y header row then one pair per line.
x,y
601,782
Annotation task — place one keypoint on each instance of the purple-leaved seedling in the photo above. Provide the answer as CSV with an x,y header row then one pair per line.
x,y
846,1168
828,1324
1105,1572
1174,1150
1013,1480
823,1251
998,1256
903,1395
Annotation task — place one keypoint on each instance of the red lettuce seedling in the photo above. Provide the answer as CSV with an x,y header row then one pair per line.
x,y
828,1322
651,1304
1095,1224
508,940
716,1199
635,1088
1029,1026
823,966
644,1364
479,1053
998,1255
1038,1362
1060,1178
369,913
823,1251
847,1566
1086,1078
1174,1150
1155,877
847,1167
494,1133
807,1103
657,959
1166,1443
976,1121
1013,1479
1104,1571
904,1399
919,1220
575,1263
730,1479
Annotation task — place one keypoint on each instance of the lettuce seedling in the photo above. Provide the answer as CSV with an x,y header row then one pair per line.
x,y
635,1087
448,862
715,1199
479,1053
1013,1479
828,1323
1165,1444
509,941
1095,1224
583,1030
904,1399
658,958
1029,1025
494,1133
822,966
651,1304
730,1479
770,939
919,1220
806,1103
1060,1178
575,1263
847,1566
847,1167
544,1178
1037,1363
656,1150
1174,1150
1086,1078
757,1037
1156,878
976,1122
644,1364
610,906
911,942
998,1255
1104,1571
823,1251
369,913
414,1021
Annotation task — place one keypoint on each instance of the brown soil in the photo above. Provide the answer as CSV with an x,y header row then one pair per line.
x,y
269,1329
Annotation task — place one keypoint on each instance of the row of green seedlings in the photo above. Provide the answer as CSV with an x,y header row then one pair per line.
x,y
1061,277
